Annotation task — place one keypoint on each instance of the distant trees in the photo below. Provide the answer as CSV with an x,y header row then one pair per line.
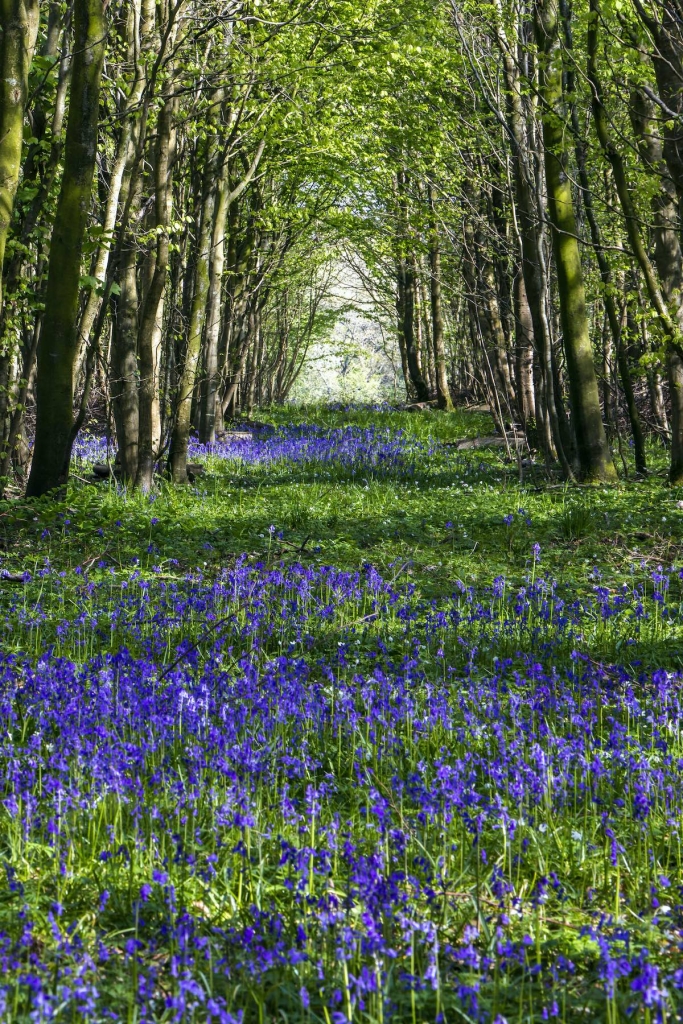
x,y
176,179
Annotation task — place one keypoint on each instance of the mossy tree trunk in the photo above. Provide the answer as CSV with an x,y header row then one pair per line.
x,y
613,318
595,460
18,31
58,345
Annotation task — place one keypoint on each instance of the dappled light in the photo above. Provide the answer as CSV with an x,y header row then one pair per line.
x,y
341,511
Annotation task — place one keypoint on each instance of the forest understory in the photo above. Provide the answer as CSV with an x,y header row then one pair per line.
x,y
356,727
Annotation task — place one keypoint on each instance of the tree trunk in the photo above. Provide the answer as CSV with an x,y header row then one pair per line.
x,y
405,304
443,392
213,314
595,461
423,323
15,435
401,339
407,329
657,403
674,370
139,36
18,30
606,278
495,333
188,376
124,365
58,344
530,231
150,309
668,260
524,354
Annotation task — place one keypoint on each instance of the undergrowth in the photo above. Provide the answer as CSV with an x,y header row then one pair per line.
x,y
360,726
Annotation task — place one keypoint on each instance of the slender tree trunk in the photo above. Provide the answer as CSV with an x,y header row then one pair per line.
x,y
657,403
424,329
407,313
595,461
124,365
188,377
524,354
406,294
146,278
213,313
19,21
140,31
15,434
495,331
668,260
150,309
230,398
58,344
401,339
608,403
443,392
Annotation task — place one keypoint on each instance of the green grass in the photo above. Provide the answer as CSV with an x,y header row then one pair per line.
x,y
441,535
326,516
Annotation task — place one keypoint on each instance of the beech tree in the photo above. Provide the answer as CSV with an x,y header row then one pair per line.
x,y
58,345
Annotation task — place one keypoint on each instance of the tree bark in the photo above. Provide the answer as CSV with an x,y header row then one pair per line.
x,y
595,460
613,318
188,376
213,313
139,29
668,260
524,354
406,316
405,303
124,365
150,309
443,391
58,344
531,240
18,31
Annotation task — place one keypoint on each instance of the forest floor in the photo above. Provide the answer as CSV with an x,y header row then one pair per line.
x,y
358,726
443,511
